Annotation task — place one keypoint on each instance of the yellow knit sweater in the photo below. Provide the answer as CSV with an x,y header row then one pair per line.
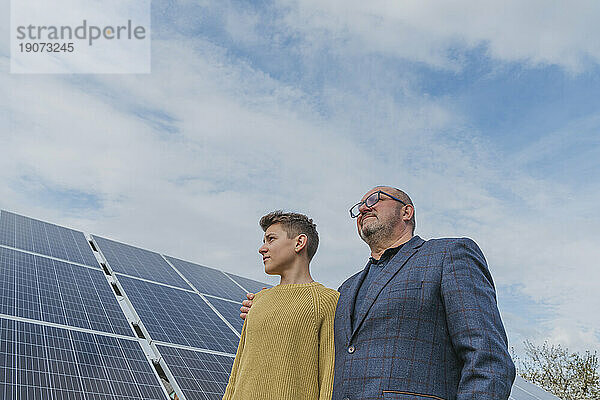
x,y
286,351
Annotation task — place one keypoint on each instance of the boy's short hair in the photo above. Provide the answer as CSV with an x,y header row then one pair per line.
x,y
294,224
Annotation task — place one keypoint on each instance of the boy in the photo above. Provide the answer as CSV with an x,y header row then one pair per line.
x,y
286,351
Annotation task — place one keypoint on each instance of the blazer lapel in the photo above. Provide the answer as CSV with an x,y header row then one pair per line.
x,y
394,265
347,298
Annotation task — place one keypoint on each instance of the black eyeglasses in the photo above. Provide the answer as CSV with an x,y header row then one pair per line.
x,y
370,202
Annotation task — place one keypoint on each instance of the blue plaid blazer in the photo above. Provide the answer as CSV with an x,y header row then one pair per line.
x,y
429,328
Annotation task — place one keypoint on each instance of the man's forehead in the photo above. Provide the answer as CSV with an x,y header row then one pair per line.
x,y
274,229
376,188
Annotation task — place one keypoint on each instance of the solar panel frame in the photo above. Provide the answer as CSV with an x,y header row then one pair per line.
x,y
198,375
250,285
173,315
44,238
45,289
46,362
230,310
208,280
137,262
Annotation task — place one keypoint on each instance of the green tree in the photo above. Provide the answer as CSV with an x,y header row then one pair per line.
x,y
569,376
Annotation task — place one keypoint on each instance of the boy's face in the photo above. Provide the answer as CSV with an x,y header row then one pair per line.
x,y
277,250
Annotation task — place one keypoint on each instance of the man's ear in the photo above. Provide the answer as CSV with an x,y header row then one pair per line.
x,y
409,211
301,241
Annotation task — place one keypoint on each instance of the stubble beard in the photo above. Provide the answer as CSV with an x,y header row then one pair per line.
x,y
376,232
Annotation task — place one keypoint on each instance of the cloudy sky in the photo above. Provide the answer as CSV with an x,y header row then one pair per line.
x,y
486,113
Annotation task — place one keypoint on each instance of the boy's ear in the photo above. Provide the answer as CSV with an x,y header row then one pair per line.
x,y
301,241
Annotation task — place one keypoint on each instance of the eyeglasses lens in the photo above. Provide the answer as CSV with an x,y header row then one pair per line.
x,y
372,199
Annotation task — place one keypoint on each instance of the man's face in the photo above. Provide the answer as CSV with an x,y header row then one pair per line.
x,y
277,250
379,222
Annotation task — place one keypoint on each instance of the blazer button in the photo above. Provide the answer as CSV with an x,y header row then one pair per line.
x,y
351,349
346,398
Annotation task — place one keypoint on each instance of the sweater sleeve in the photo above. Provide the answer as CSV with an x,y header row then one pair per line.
x,y
326,345
230,390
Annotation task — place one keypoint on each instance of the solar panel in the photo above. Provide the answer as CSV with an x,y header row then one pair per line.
x,y
208,280
44,238
63,332
523,390
49,290
201,376
40,362
178,316
229,310
140,263
250,285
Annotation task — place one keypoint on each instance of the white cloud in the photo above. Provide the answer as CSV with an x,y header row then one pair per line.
x,y
438,33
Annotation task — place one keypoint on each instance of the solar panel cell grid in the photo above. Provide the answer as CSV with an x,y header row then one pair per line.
x,y
208,280
177,316
249,284
142,376
32,377
8,366
101,307
43,289
64,371
42,362
44,238
138,262
229,310
200,376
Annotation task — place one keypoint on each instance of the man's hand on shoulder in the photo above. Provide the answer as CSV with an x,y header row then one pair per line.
x,y
246,304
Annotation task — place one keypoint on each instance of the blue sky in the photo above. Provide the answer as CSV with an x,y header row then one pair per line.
x,y
487,115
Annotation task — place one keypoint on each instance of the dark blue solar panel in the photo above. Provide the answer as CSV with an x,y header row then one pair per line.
x,y
44,289
138,262
248,284
229,310
44,238
200,376
177,316
209,280
40,362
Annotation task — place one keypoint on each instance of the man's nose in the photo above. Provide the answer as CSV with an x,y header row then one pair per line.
x,y
363,207
262,249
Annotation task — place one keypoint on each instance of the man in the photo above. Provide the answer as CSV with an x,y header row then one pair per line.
x,y
420,321
286,350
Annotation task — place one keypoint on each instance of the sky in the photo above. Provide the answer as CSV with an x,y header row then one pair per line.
x,y
486,113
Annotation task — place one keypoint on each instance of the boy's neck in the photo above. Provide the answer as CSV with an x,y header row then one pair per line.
x,y
297,274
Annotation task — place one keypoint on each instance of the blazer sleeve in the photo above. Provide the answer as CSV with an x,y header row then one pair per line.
x,y
230,390
474,324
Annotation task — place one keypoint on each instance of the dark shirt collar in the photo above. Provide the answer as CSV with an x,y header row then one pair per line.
x,y
386,256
